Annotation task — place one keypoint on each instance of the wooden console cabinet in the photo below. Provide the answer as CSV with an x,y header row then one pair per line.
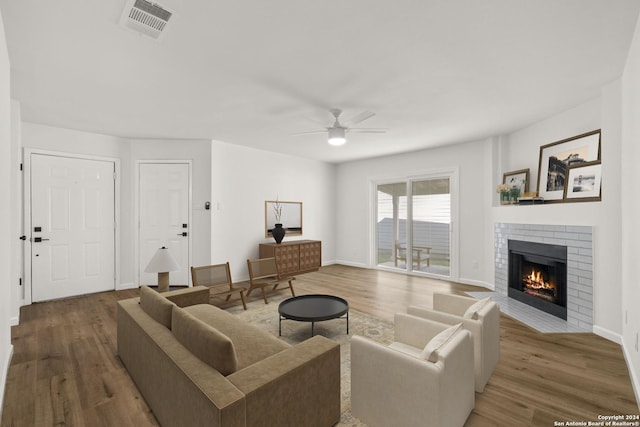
x,y
295,257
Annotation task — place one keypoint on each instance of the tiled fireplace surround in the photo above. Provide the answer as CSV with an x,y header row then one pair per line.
x,y
578,240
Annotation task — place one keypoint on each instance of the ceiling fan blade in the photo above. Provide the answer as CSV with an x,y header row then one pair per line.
x,y
365,130
309,133
360,118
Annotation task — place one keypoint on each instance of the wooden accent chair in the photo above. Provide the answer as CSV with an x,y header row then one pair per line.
x,y
420,254
218,279
263,273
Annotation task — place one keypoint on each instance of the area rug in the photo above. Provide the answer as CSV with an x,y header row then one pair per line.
x,y
265,316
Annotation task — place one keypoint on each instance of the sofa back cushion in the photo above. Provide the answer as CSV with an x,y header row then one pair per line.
x,y
252,344
204,341
156,306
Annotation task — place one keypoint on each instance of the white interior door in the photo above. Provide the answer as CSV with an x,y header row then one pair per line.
x,y
164,202
72,226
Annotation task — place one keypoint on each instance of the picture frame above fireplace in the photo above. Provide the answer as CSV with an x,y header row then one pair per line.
x,y
584,182
557,157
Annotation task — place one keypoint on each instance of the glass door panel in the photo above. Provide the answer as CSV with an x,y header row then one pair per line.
x,y
391,224
431,225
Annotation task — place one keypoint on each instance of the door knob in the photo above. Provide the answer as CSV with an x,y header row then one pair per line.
x,y
38,239
182,234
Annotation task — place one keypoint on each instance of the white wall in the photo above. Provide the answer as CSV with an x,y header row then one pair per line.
x,y
243,178
631,210
129,151
17,246
354,204
5,213
523,149
523,146
199,153
71,141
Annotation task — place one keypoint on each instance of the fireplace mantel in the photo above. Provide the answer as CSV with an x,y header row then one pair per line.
x,y
577,239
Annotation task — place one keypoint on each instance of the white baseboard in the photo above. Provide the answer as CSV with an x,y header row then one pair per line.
x,y
352,264
123,286
605,333
3,379
480,283
635,381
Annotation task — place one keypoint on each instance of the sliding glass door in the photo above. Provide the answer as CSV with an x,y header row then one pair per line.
x,y
392,222
413,228
431,225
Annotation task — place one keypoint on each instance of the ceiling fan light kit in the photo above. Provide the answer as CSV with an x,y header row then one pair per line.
x,y
337,136
337,132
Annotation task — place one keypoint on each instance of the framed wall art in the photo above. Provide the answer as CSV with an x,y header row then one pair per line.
x,y
289,214
584,182
556,159
517,179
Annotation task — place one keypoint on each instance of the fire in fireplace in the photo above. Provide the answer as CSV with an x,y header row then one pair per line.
x,y
537,285
537,275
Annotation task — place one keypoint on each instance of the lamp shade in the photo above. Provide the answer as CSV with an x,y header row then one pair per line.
x,y
162,262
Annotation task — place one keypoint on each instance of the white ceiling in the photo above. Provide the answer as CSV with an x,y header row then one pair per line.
x,y
254,72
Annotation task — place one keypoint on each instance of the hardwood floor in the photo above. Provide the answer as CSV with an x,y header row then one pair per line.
x,y
65,369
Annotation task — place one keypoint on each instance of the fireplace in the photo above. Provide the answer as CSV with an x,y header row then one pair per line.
x,y
538,276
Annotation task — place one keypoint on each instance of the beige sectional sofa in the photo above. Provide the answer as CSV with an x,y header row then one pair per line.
x,y
197,365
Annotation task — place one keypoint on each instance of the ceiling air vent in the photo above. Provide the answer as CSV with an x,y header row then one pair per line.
x,y
145,17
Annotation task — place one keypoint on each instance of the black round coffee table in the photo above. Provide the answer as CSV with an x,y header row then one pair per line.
x,y
313,308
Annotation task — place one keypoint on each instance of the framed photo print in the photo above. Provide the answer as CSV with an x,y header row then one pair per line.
x,y
556,159
583,182
517,179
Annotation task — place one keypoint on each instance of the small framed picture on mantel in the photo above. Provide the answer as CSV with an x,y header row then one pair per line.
x,y
518,180
583,182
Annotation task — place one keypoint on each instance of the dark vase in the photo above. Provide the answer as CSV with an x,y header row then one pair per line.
x,y
278,233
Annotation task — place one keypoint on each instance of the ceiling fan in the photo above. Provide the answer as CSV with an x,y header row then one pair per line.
x,y
337,132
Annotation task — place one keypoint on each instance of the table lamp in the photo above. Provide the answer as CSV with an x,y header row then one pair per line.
x,y
162,263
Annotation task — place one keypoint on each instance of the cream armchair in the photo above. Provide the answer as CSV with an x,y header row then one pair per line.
x,y
483,322
396,386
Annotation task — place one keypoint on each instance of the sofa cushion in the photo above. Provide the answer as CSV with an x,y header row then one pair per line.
x,y
204,341
156,306
472,311
430,351
252,344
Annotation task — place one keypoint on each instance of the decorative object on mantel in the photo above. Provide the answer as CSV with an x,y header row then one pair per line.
x,y
530,200
583,182
518,182
285,216
503,190
557,158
